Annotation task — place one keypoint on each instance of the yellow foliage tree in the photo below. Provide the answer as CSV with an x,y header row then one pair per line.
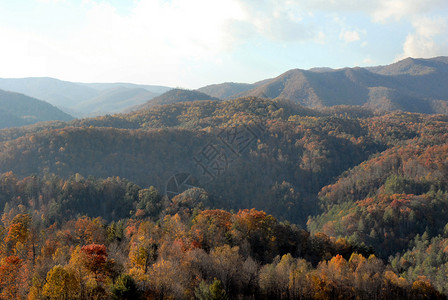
x,y
61,284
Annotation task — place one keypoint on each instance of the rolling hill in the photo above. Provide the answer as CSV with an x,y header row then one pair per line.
x,y
83,99
18,110
176,96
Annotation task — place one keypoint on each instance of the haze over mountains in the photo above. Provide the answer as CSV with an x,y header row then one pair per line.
x,y
412,85
83,99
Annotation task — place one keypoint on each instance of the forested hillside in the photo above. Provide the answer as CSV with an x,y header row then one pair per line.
x,y
111,239
261,150
166,202
19,110
176,96
274,156
228,90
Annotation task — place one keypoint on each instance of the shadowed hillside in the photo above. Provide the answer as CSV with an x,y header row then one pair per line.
x,y
18,110
414,85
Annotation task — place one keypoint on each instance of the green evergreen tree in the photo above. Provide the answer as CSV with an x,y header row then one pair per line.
x,y
125,288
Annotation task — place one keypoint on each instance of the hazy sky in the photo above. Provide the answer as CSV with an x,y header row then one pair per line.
x,y
192,43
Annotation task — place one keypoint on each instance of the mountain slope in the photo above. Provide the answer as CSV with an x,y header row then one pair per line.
x,y
229,90
115,100
226,89
83,99
399,193
415,85
292,85
156,89
413,66
18,110
176,96
62,94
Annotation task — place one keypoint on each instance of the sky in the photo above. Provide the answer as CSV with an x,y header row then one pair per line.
x,y
193,43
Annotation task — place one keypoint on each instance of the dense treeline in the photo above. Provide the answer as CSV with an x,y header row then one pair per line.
x,y
388,200
427,258
173,249
60,200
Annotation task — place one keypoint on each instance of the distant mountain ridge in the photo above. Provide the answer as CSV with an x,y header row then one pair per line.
x,y
414,85
413,66
157,89
83,99
114,100
18,110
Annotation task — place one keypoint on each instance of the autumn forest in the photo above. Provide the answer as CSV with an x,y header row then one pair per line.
x,y
249,198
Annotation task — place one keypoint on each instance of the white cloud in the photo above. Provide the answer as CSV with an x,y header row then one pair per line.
x,y
155,38
428,40
277,20
429,37
160,41
349,36
398,9
430,27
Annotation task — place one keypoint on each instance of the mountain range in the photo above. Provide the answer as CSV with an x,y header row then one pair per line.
x,y
83,99
414,85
